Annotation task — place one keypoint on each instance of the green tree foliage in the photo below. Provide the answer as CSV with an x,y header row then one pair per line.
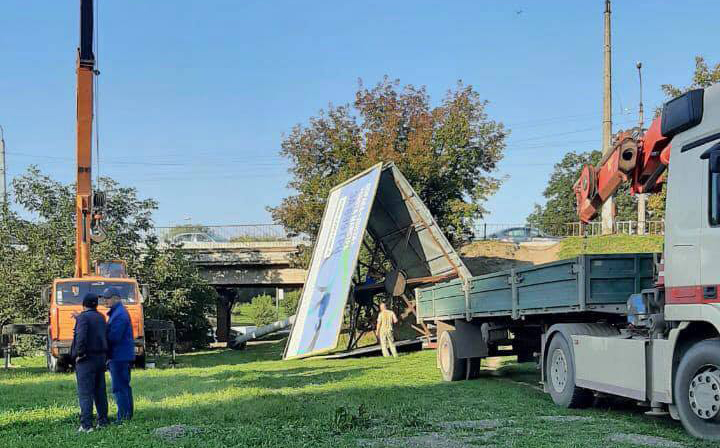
x,y
262,310
560,207
448,152
704,76
39,246
290,302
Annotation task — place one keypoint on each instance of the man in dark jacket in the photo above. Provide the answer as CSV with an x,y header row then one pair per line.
x,y
121,353
89,347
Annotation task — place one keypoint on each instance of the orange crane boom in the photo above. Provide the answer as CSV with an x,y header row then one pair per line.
x,y
86,221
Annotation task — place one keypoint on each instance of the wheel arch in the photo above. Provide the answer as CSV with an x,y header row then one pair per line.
x,y
689,334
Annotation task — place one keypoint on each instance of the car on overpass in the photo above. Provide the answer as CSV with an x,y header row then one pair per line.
x,y
196,237
521,235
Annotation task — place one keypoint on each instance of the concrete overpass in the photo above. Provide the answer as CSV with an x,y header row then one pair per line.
x,y
247,264
239,259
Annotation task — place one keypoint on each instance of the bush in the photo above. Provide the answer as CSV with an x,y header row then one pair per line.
x,y
290,302
262,310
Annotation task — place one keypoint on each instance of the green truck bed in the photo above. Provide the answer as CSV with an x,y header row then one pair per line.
x,y
599,283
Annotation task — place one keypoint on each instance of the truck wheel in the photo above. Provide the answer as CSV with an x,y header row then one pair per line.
x,y
452,367
560,375
697,390
54,365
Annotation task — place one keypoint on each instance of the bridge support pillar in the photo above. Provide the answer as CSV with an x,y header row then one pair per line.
x,y
224,314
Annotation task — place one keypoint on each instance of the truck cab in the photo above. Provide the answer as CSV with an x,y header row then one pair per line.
x,y
65,301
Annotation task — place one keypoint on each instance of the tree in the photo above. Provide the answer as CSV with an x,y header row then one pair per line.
x,y
448,152
39,248
290,302
262,310
560,207
704,76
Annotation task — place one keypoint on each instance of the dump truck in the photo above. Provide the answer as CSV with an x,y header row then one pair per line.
x,y
641,326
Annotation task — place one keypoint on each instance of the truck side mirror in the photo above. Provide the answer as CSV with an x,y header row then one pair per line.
x,y
46,294
145,291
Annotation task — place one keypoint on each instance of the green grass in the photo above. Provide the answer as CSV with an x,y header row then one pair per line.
x,y
609,244
252,399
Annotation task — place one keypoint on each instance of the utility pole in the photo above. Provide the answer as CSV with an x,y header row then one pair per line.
x,y
3,171
642,197
609,206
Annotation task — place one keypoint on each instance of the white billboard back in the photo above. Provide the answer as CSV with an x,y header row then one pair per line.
x,y
322,305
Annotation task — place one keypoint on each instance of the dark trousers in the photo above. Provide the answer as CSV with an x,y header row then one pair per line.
x,y
120,375
90,373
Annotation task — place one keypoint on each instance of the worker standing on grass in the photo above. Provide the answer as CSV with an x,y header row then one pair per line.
x,y
121,351
384,330
89,347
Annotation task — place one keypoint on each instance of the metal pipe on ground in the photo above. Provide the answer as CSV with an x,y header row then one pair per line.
x,y
265,330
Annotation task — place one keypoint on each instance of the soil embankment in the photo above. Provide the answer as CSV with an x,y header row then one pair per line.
x,y
484,257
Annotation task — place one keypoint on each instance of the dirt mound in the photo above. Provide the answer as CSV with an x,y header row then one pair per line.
x,y
484,257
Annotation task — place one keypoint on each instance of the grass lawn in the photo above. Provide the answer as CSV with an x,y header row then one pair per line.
x,y
252,399
609,244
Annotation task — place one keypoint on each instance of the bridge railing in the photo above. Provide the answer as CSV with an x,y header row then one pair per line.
x,y
244,233
492,231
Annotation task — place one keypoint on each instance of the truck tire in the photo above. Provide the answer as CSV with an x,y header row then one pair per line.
x,y
452,367
54,365
560,368
697,390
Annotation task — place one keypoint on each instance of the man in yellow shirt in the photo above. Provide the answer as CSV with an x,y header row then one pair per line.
x,y
384,330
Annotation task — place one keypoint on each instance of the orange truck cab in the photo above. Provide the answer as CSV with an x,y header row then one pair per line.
x,y
65,299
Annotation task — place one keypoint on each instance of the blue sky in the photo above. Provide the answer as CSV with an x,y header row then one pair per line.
x,y
195,96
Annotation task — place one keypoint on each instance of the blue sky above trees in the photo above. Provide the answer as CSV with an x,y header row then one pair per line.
x,y
196,96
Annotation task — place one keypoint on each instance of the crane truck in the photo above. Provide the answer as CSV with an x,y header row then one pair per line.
x,y
64,297
641,326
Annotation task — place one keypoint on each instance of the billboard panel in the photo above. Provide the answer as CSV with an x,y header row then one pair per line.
x,y
322,305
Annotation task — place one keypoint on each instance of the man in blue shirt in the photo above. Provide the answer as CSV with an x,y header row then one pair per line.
x,y
121,353
88,349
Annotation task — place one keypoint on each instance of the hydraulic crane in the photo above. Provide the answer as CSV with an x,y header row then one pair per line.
x,y
65,296
639,158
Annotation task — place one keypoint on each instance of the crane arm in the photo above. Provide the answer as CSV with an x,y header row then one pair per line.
x,y
640,159
85,73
